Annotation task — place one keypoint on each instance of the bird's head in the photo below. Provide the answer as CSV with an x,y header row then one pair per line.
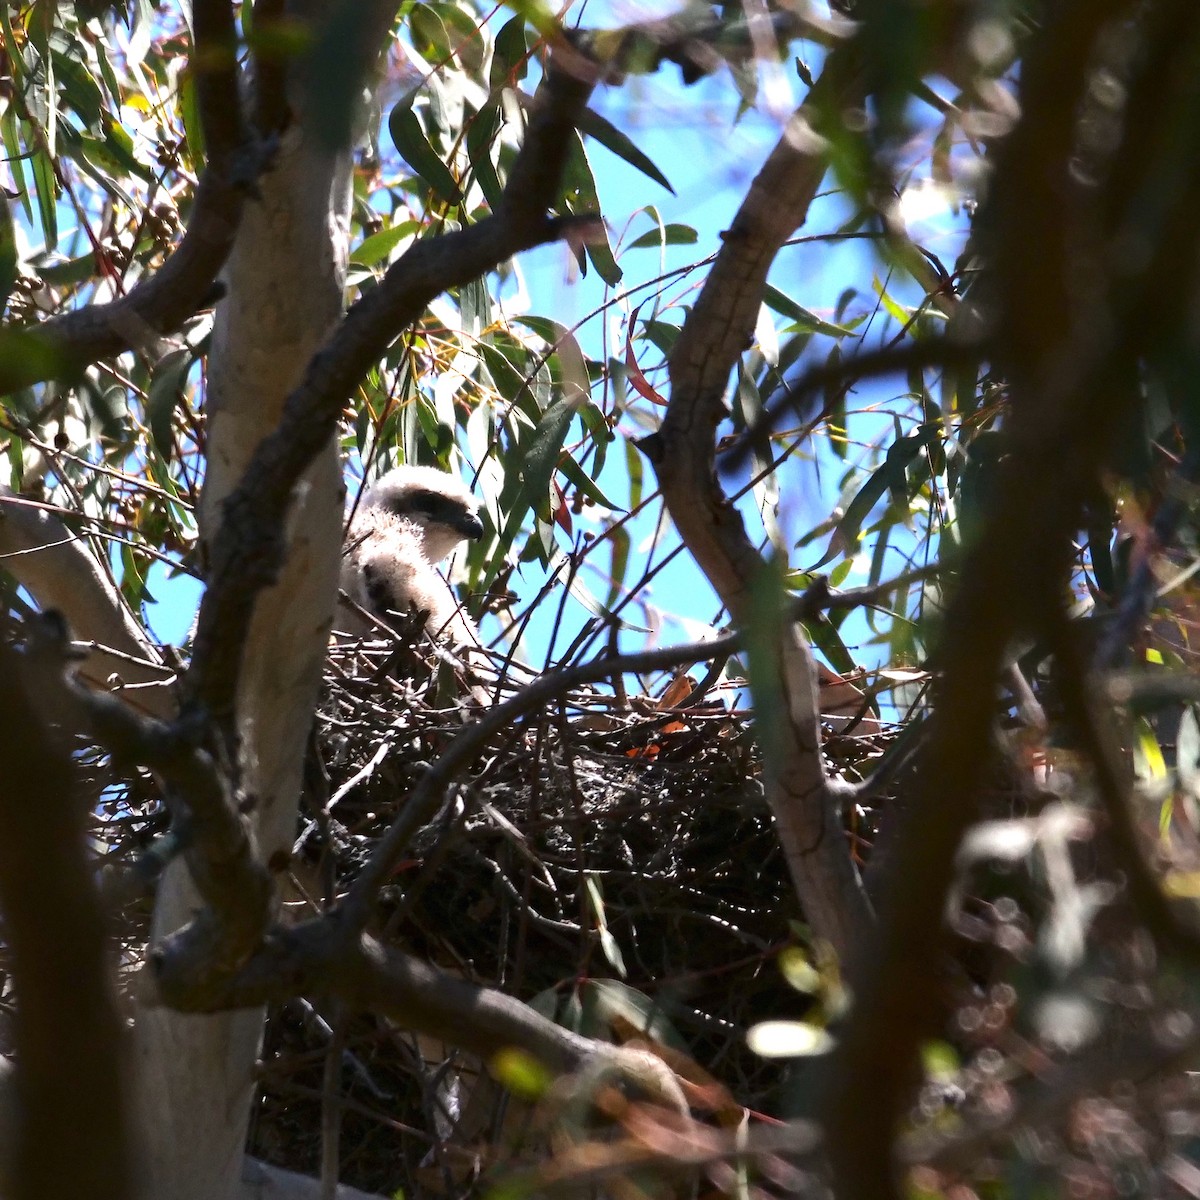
x,y
439,506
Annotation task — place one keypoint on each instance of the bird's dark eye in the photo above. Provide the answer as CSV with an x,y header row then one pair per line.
x,y
425,501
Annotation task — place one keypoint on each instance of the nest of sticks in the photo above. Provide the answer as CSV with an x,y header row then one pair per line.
x,y
610,859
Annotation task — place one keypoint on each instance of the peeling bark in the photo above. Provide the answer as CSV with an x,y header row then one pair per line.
x,y
806,806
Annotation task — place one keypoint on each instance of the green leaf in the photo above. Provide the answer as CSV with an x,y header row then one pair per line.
x,y
380,245
166,391
825,637
890,474
508,374
481,135
635,467
548,329
598,429
106,161
538,464
895,310
79,89
134,566
420,155
593,604
45,188
510,63
661,335
609,136
580,196
25,356
67,272
608,943
620,542
787,307
586,484
666,235
14,155
9,259
469,39
189,113
430,38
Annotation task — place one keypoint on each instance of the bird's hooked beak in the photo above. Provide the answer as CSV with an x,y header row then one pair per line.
x,y
470,526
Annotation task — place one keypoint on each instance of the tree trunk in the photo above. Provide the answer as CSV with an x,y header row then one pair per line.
x,y
285,282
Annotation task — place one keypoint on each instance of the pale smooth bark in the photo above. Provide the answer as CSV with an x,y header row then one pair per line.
x,y
285,282
263,1182
60,571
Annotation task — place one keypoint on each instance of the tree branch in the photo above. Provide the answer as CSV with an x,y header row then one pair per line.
x,y
62,346
326,957
217,842
1065,359
73,1134
60,572
719,328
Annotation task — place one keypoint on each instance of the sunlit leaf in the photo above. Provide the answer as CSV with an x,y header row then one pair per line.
x,y
609,136
1147,754
520,1073
672,234
608,943
800,316
580,196
799,971
379,246
788,1039
410,139
166,391
46,189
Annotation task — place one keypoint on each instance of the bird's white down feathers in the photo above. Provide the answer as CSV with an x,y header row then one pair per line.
x,y
410,519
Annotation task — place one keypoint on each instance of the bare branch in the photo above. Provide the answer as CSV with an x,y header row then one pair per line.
x,y
58,569
1066,368
718,329
325,957
217,843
